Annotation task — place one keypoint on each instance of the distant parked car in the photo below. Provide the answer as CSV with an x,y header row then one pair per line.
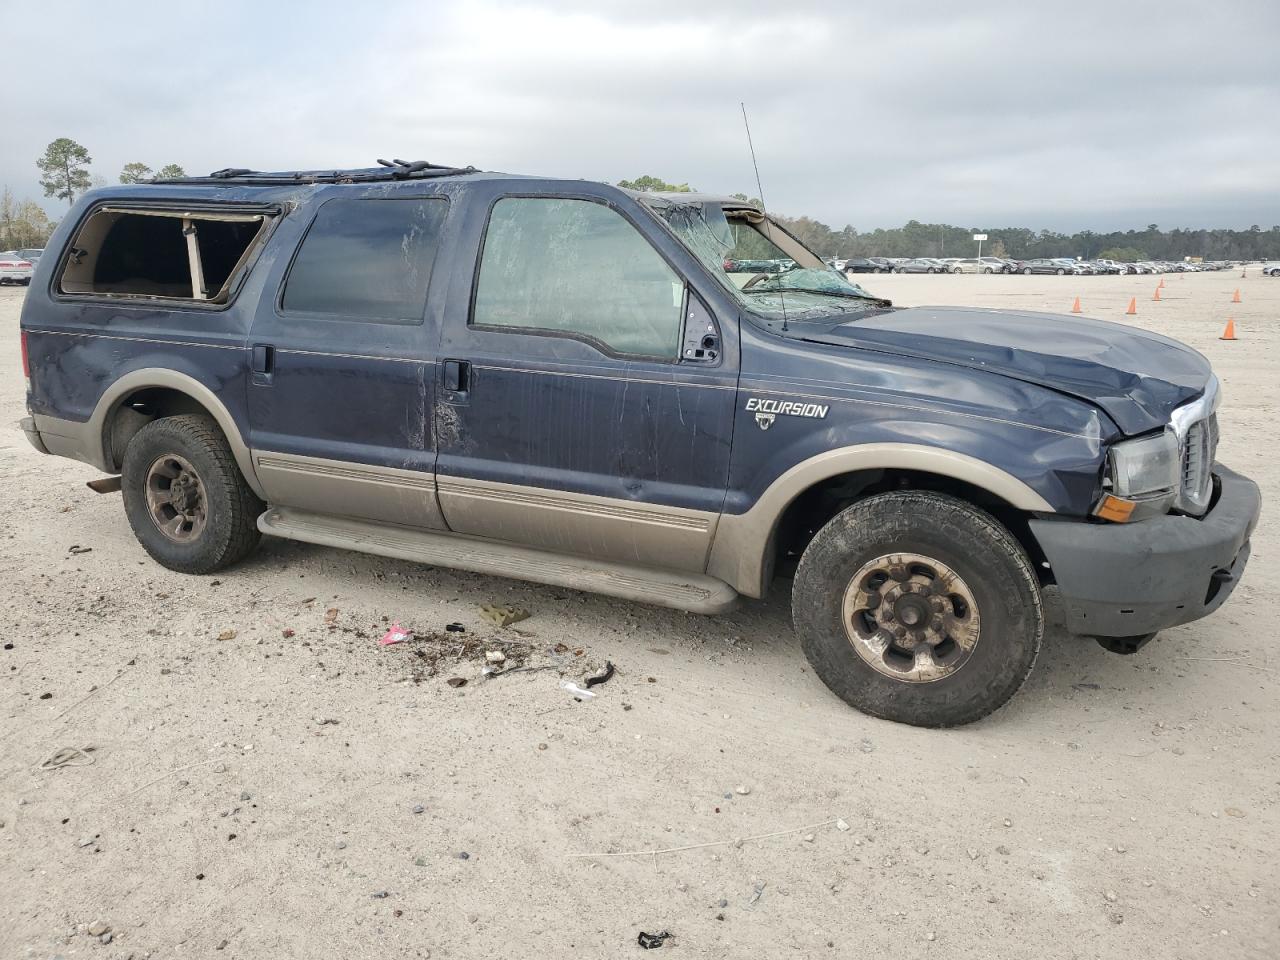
x,y
1271,269
752,266
14,268
918,265
862,265
31,253
1043,265
995,265
970,265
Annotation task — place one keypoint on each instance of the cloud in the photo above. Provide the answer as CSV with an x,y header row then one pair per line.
x,y
1095,115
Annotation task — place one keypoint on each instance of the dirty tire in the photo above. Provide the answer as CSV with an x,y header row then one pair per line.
x,y
230,529
978,549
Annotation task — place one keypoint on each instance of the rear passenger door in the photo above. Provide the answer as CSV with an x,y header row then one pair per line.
x,y
341,355
586,390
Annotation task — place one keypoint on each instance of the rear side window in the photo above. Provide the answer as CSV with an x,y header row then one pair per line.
x,y
577,268
156,253
367,259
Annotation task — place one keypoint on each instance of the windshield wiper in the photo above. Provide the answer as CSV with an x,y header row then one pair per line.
x,y
850,295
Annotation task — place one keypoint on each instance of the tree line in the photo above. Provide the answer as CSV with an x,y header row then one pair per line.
x,y
64,175
916,239
64,169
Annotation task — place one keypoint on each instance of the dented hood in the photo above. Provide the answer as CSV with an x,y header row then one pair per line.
x,y
1136,377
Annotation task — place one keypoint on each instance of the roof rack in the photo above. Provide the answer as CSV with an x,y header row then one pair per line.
x,y
386,170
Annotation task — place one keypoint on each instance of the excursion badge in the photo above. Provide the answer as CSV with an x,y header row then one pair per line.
x,y
767,411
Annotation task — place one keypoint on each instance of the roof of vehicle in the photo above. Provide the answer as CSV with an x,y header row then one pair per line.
x,y
687,197
386,170
245,185
240,185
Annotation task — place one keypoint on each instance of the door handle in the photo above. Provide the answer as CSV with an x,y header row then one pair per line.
x,y
264,358
457,377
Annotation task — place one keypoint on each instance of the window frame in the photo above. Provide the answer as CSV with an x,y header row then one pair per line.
x,y
278,304
594,342
272,214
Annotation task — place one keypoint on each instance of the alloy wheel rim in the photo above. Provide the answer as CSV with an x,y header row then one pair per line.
x,y
910,617
176,498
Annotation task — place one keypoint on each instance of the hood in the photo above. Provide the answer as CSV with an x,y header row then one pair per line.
x,y
1136,377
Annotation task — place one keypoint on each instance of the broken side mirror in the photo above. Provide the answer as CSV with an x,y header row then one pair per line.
x,y
701,343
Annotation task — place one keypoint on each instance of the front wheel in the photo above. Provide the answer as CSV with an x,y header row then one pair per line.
x,y
1061,272
986,270
186,500
917,607
1026,271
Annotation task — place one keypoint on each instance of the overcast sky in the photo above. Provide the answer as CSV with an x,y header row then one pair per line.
x,y
1062,116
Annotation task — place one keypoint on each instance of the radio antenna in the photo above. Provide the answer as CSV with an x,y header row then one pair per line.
x,y
763,207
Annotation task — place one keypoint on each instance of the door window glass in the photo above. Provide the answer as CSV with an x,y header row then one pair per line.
x,y
577,268
367,259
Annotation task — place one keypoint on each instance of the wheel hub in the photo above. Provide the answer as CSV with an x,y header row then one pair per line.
x,y
175,498
911,617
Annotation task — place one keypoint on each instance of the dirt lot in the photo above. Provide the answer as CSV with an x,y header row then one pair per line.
x,y
257,769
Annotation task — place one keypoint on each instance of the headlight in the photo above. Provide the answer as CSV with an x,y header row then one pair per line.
x,y
1141,478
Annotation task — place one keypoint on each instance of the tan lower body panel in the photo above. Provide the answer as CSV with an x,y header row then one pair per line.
x,y
349,489
696,593
644,534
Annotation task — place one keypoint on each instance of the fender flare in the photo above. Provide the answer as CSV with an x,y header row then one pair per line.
x,y
109,402
740,551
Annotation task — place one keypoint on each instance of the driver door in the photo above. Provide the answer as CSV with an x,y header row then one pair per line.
x,y
572,412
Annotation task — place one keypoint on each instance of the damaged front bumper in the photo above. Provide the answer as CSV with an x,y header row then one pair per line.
x,y
1127,580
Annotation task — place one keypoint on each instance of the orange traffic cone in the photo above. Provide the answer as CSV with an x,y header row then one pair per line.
x,y
1230,332
1075,307
1242,269
1160,285
1157,294
1236,297
1133,308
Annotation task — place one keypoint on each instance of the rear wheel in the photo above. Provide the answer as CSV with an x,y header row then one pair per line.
x,y
1061,271
918,607
186,500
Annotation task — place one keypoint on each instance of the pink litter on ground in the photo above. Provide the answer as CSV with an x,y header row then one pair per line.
x,y
397,634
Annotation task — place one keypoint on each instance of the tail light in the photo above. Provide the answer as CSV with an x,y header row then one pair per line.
x,y
26,359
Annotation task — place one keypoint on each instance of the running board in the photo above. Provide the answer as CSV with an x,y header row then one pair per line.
x,y
682,591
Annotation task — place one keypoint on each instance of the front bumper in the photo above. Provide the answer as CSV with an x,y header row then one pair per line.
x,y
1124,580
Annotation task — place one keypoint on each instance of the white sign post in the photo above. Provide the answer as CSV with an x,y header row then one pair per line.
x,y
979,237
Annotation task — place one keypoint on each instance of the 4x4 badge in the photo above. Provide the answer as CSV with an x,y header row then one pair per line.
x,y
767,411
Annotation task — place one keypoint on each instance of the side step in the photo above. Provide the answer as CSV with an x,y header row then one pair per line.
x,y
682,591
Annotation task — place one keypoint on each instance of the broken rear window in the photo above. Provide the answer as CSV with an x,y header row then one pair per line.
x,y
164,253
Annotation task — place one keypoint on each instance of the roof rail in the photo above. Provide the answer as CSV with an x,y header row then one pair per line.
x,y
386,170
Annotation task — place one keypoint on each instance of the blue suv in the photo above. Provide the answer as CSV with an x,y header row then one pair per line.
x,y
563,382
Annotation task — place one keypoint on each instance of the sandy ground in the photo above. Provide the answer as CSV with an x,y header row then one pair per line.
x,y
254,797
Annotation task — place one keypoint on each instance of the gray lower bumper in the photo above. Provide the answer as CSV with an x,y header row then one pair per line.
x,y
33,434
1121,580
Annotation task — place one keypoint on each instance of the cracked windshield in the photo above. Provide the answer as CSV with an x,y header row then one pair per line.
x,y
771,273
